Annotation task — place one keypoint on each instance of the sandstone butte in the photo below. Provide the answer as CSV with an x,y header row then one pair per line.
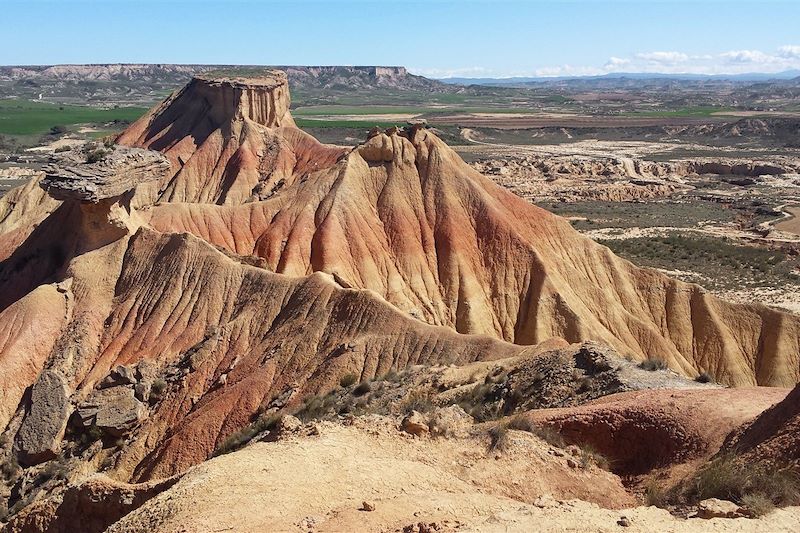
x,y
252,266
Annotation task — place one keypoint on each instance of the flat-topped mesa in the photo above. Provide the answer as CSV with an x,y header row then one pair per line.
x,y
102,174
263,98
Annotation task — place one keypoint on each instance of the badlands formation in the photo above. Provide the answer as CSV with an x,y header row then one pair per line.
x,y
217,268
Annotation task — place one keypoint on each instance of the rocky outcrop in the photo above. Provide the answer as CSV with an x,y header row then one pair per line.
x,y
547,177
116,171
115,410
39,437
90,506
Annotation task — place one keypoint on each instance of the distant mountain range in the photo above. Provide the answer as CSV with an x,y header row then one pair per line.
x,y
516,81
324,77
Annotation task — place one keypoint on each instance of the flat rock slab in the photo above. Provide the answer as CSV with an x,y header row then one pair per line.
x,y
120,170
42,429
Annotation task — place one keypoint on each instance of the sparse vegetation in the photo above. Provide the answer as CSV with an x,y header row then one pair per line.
x,y
722,265
246,434
363,388
157,388
550,436
589,455
348,380
95,155
726,479
652,364
316,407
758,503
93,434
10,468
392,376
522,423
56,469
547,434
498,437
704,377
654,494
417,401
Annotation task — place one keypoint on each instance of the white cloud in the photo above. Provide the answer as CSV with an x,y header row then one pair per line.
x,y
789,51
615,63
658,62
747,56
567,70
664,58
463,72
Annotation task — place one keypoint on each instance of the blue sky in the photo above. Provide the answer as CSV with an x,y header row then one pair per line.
x,y
436,38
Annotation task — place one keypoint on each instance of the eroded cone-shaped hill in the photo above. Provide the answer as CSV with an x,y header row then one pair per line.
x,y
404,216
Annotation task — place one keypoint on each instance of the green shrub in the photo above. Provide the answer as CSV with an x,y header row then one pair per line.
x,y
348,380
416,401
157,388
654,494
591,456
653,364
96,155
758,503
726,479
363,388
704,377
246,434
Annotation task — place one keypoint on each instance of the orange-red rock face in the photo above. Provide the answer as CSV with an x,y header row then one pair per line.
x,y
409,220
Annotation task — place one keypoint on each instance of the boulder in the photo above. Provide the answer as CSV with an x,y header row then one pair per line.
x,y
289,424
716,508
142,391
115,410
415,424
40,435
121,375
448,421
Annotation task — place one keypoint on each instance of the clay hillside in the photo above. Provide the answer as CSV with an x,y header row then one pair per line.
x,y
173,294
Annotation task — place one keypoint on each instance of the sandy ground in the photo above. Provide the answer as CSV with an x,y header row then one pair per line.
x,y
60,143
792,224
318,483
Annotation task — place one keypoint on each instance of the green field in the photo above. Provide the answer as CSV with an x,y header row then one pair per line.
x,y
303,123
700,111
358,110
18,117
